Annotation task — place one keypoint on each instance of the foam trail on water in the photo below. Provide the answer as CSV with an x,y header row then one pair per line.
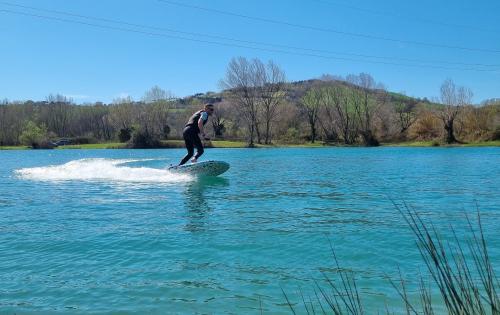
x,y
101,170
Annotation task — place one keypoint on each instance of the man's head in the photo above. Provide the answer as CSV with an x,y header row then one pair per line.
x,y
209,108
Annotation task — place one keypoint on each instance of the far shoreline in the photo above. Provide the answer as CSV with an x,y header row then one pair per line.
x,y
221,144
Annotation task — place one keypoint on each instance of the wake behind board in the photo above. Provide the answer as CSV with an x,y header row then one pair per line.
x,y
205,168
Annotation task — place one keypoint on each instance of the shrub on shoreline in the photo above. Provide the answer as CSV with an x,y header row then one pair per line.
x,y
35,136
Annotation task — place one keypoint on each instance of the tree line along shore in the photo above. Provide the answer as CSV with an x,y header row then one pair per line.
x,y
258,107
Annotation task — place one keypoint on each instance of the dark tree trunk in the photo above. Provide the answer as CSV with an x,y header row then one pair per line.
x,y
313,132
450,132
369,139
250,142
257,133
257,130
268,133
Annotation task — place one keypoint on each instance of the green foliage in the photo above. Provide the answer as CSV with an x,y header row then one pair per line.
x,y
311,101
291,136
34,135
125,134
141,139
435,143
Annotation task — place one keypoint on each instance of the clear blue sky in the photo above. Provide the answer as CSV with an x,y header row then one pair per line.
x,y
39,56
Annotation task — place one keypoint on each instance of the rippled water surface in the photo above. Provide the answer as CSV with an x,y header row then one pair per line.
x,y
111,231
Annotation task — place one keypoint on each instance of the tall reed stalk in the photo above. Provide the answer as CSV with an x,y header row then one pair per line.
x,y
460,271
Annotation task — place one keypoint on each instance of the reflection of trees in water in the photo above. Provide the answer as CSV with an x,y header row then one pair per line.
x,y
197,195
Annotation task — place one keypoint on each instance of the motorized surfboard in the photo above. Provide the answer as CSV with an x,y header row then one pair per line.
x,y
205,168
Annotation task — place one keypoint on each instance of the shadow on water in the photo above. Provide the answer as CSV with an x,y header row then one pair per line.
x,y
197,200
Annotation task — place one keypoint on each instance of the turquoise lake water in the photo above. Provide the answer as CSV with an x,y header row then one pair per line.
x,y
111,231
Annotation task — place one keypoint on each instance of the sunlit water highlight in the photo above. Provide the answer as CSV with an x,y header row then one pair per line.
x,y
112,231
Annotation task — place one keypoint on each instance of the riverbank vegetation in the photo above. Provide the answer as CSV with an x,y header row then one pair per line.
x,y
258,107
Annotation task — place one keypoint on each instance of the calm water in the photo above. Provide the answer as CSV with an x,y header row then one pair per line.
x,y
110,231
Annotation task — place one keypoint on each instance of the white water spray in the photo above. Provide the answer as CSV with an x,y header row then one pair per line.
x,y
111,170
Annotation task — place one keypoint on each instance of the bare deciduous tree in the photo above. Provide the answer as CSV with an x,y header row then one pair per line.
x,y
123,113
157,94
3,123
365,108
241,81
454,100
406,114
311,105
103,128
88,122
326,117
59,114
271,89
154,113
343,105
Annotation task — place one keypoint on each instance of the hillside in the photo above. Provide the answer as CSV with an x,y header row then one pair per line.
x,y
330,111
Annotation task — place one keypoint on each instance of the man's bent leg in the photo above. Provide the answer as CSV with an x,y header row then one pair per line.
x,y
188,139
199,148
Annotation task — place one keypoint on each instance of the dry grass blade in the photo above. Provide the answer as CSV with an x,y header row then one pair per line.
x,y
464,276
451,269
403,294
288,302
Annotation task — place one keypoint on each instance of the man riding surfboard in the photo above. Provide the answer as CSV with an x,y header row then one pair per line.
x,y
194,133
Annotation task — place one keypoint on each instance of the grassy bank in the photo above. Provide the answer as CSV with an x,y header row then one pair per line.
x,y
19,147
439,144
225,144
483,144
168,144
113,145
242,144
413,144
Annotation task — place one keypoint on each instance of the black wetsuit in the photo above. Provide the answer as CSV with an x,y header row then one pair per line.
x,y
191,137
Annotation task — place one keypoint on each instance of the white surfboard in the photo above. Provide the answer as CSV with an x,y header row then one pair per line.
x,y
205,168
